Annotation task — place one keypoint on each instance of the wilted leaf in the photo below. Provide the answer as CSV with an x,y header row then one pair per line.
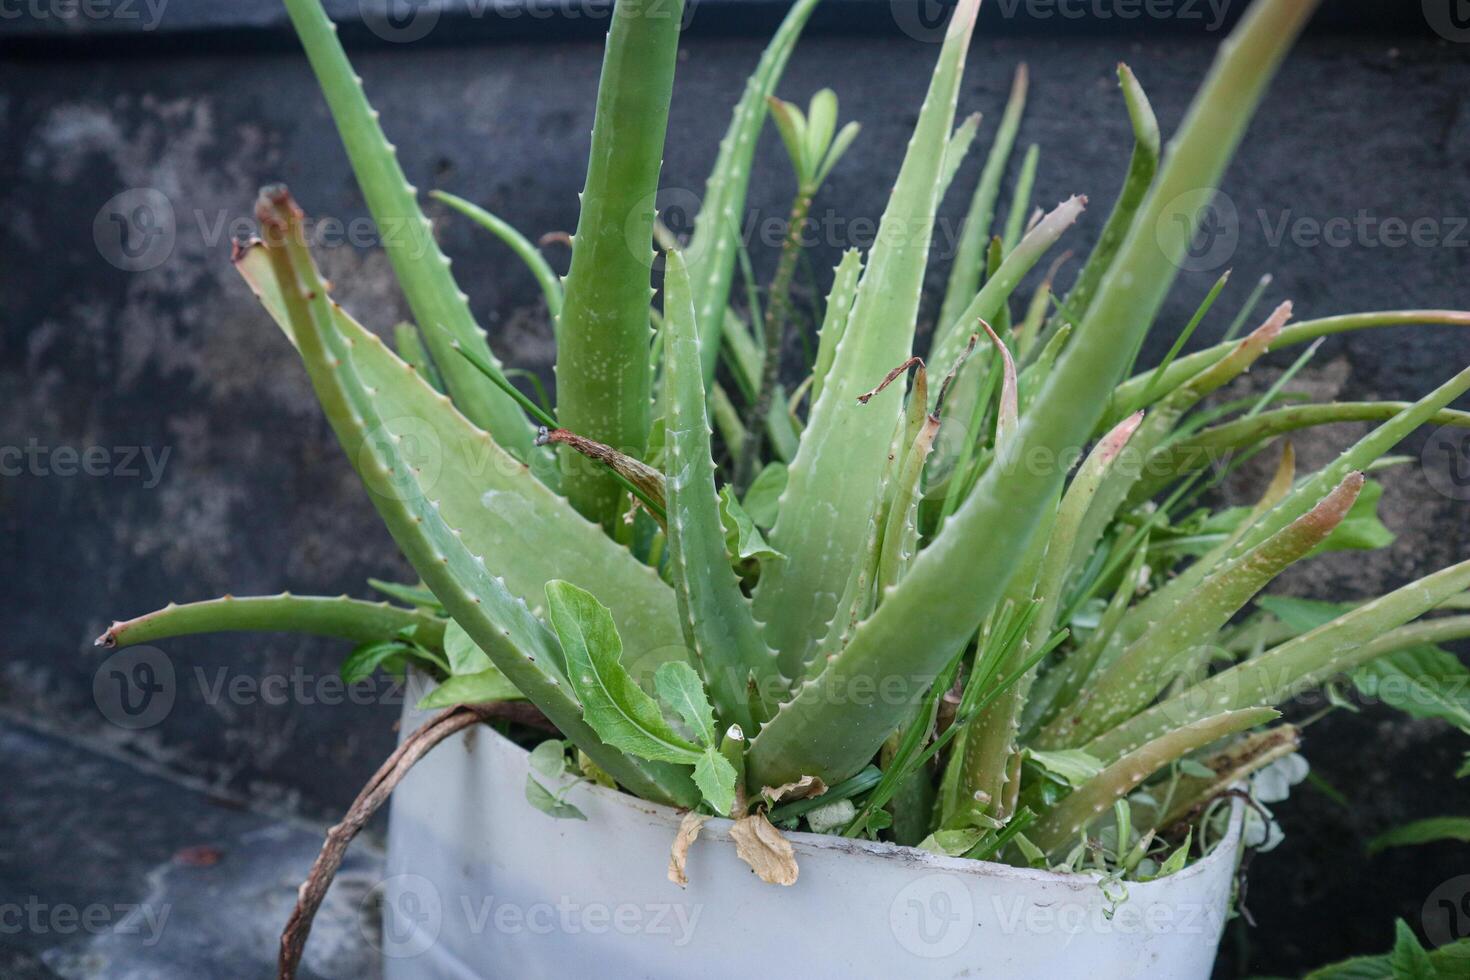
x,y
689,829
759,844
801,789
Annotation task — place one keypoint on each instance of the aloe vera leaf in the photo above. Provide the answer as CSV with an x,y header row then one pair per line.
x,y
1230,766
954,582
1142,166
530,534
727,418
604,385
1359,456
524,250
1008,410
901,531
831,493
1247,307
834,320
498,621
411,348
1061,825
1143,669
969,259
1294,666
712,247
350,619
956,150
989,301
439,306
1209,446
1298,333
1021,199
716,617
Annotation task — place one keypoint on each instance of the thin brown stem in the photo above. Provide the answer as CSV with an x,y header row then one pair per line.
x,y
778,304
374,795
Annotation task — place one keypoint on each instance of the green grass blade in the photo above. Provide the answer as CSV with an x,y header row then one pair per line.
x,y
439,306
728,647
604,384
712,248
955,582
830,497
1021,199
524,250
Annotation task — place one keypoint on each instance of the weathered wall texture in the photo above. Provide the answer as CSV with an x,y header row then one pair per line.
x,y
253,495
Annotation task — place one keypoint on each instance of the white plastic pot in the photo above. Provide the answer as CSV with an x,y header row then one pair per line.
x,y
481,884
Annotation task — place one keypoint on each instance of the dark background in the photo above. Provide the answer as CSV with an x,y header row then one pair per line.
x,y
1368,114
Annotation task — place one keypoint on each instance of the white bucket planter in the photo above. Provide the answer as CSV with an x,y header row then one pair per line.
x,y
481,884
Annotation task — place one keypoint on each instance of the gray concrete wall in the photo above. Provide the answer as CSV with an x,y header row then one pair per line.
x,y
254,496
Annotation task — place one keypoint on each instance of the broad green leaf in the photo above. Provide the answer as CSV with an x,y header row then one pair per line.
x,y
743,540
487,685
682,690
763,498
553,806
604,384
715,778
712,249
952,843
439,306
1072,766
728,647
831,495
464,657
955,582
1428,831
1409,960
368,657
615,707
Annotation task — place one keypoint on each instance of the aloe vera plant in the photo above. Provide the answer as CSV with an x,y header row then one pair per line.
x,y
882,602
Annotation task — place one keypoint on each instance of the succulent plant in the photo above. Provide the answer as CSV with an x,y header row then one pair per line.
x,y
915,608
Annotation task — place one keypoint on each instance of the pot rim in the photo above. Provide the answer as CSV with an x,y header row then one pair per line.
x,y
805,842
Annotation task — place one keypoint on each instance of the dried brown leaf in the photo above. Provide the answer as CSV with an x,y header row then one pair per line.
x,y
759,844
689,829
806,786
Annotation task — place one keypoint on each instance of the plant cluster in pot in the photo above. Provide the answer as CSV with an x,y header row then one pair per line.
x,y
941,663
